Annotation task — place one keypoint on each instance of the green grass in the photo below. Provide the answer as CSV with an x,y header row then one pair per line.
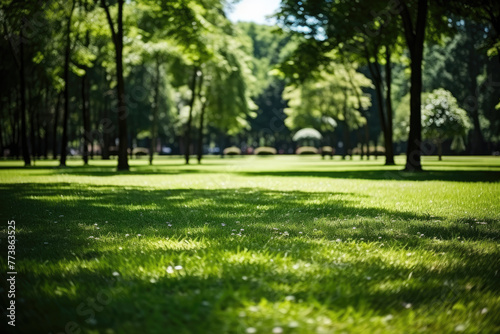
x,y
296,244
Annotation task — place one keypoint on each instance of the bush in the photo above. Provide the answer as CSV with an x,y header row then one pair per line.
x,y
138,151
233,150
264,150
306,150
327,150
379,150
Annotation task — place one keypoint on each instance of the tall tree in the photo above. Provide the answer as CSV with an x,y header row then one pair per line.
x,y
67,55
117,36
414,30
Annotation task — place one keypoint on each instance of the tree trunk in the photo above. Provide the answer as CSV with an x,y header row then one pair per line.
x,y
154,124
54,129
478,142
64,141
86,122
415,41
122,108
120,87
106,133
375,72
32,118
200,131
24,138
46,123
440,149
367,139
187,134
389,147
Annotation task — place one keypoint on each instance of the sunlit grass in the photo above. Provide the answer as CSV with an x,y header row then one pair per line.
x,y
277,244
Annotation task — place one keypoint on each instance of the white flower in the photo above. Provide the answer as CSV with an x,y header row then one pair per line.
x,y
178,267
290,298
278,330
127,235
223,224
251,330
115,273
170,270
139,235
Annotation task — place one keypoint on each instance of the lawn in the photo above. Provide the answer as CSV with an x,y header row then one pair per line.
x,y
255,245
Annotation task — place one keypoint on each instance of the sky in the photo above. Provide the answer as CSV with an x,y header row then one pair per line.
x,y
254,10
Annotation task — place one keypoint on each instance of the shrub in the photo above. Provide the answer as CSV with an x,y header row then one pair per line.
x,y
307,150
264,150
138,151
327,150
379,150
233,150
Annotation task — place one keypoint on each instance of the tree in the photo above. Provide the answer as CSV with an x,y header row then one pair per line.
x,y
414,31
336,93
67,55
443,119
358,32
117,37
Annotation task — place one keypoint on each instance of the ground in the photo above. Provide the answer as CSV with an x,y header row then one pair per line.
x,y
255,245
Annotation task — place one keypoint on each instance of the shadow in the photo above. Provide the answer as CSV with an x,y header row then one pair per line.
x,y
209,295
392,175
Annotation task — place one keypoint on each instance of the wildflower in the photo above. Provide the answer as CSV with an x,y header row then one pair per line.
x,y
178,267
278,330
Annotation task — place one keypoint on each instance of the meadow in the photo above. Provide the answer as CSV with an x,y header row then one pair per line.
x,y
255,245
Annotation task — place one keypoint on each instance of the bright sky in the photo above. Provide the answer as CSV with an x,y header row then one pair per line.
x,y
254,10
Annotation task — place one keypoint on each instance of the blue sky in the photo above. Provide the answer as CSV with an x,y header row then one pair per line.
x,y
254,10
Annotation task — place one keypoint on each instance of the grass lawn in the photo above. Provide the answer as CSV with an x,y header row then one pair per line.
x,y
255,245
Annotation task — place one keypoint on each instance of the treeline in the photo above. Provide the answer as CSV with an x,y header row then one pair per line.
x,y
405,47
125,78
105,77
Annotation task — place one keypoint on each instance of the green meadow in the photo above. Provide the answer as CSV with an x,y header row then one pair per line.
x,y
255,245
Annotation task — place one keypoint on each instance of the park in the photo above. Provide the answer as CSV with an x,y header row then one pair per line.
x,y
252,166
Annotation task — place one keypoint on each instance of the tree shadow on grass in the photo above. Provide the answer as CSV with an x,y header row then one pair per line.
x,y
390,175
67,215
211,302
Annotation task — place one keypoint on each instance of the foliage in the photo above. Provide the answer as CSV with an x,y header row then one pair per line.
x,y
264,150
233,150
306,150
331,96
307,133
442,118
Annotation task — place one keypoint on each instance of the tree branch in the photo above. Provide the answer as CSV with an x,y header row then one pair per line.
x,y
110,21
407,24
